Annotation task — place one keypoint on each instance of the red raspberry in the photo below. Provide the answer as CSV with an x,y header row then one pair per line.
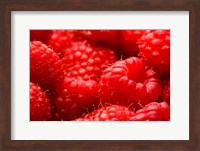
x,y
87,62
129,83
106,38
154,48
103,36
39,104
45,65
166,91
62,39
153,112
109,113
75,97
40,35
130,41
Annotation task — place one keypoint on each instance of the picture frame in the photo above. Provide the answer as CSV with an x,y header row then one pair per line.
x,y
6,7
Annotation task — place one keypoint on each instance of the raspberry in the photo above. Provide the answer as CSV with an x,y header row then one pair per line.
x,y
166,91
45,65
40,35
62,39
103,36
109,113
75,97
130,41
153,112
154,48
85,61
129,83
39,104
106,38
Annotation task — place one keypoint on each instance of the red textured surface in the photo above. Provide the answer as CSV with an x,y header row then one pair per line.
x,y
106,36
85,61
129,83
45,65
62,39
154,48
153,112
39,104
109,113
122,71
75,97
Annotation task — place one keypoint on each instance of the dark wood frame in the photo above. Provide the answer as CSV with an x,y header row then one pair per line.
x,y
6,6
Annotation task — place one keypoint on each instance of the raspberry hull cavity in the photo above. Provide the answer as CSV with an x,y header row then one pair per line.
x,y
129,83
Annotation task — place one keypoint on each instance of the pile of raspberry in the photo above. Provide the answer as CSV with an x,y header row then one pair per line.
x,y
99,75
